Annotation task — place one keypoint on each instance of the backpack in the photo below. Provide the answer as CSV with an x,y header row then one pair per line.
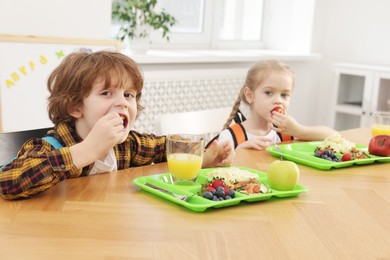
x,y
50,139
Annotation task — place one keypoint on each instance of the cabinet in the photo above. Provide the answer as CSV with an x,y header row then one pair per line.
x,y
360,90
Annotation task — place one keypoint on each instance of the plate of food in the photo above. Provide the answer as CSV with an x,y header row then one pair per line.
x,y
216,188
332,153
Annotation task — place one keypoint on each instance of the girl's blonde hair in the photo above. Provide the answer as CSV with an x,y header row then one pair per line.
x,y
256,74
73,80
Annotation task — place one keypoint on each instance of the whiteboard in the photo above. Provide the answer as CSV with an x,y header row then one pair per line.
x,y
24,70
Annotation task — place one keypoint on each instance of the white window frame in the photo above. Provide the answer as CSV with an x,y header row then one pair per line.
x,y
287,26
208,39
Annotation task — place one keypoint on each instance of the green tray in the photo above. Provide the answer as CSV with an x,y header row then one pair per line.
x,y
303,153
200,204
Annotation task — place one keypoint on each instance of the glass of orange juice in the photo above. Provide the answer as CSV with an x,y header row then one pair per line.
x,y
185,157
380,123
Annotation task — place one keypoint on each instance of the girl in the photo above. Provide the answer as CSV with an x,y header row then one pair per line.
x,y
267,90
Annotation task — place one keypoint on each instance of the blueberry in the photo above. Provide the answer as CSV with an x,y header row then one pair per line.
x,y
231,193
228,197
215,198
208,195
220,192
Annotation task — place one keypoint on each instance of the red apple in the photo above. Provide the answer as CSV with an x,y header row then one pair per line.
x,y
379,145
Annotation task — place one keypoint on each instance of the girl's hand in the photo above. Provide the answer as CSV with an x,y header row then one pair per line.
x,y
284,123
218,154
256,143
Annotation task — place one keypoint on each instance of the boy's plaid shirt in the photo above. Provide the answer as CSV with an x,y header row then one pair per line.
x,y
38,166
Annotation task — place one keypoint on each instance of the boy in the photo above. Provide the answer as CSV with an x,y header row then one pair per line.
x,y
93,103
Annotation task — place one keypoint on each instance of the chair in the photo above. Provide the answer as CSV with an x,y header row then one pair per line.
x,y
194,122
11,142
204,122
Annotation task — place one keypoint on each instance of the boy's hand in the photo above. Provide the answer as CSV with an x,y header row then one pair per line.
x,y
218,154
106,132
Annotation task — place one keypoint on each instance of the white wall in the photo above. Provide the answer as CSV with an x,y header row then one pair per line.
x,y
57,18
343,31
348,31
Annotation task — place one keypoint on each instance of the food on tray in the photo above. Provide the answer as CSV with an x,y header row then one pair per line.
x,y
283,175
336,148
278,109
326,153
231,180
337,143
379,145
217,190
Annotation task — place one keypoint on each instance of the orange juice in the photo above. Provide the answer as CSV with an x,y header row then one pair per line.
x,y
380,130
184,166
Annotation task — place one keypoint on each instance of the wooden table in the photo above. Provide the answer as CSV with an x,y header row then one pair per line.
x,y
345,215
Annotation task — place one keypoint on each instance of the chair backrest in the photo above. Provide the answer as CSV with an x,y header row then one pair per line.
x,y
10,143
195,122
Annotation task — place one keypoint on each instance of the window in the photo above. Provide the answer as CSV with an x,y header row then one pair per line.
x,y
213,24
283,25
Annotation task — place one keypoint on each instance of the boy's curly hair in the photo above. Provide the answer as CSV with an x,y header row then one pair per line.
x,y
73,79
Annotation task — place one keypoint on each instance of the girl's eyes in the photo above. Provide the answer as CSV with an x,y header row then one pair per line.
x,y
270,93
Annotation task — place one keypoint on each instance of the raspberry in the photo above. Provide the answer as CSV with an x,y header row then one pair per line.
x,y
227,189
218,182
210,188
346,157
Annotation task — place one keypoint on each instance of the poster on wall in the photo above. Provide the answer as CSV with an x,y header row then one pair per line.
x,y
24,70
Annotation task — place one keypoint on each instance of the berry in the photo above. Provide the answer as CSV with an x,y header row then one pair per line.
x,y
217,182
346,157
232,193
208,195
210,188
216,190
220,192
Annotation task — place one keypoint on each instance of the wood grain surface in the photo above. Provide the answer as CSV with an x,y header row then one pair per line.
x,y
344,215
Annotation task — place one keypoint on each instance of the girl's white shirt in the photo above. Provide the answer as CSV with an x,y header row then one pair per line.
x,y
226,135
107,165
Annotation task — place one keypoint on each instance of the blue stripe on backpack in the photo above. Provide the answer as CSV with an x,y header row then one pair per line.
x,y
50,139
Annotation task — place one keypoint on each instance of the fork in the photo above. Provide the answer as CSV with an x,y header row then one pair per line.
x,y
279,150
178,196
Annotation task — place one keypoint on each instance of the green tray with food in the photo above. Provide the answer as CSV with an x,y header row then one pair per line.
x,y
216,188
332,153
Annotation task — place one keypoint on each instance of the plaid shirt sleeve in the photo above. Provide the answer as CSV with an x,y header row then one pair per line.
x,y
36,168
147,149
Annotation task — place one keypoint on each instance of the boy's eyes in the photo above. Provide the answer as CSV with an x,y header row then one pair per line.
x,y
129,95
126,94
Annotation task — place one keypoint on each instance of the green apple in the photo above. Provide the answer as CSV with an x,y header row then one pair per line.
x,y
283,175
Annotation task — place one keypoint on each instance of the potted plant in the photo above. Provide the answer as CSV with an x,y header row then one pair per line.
x,y
137,18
